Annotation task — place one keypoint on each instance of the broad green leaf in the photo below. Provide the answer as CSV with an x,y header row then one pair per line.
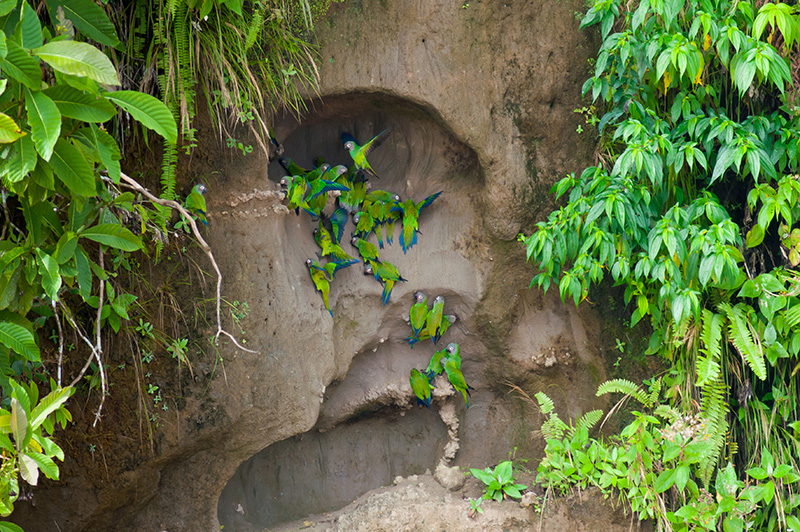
x,y
19,423
665,480
78,59
28,469
149,111
20,340
23,161
5,526
793,523
49,404
9,130
46,464
45,121
84,273
754,236
7,6
113,235
109,152
88,18
20,66
81,106
29,28
681,476
51,277
8,288
3,47
65,249
72,169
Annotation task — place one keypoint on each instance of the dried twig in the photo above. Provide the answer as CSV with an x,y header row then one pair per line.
x,y
60,340
131,183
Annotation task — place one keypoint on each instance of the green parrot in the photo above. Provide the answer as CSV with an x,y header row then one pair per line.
x,y
433,321
387,274
322,235
364,223
196,203
322,275
367,250
359,153
316,201
338,221
456,378
418,313
317,172
421,388
447,321
454,353
291,167
351,200
410,212
435,365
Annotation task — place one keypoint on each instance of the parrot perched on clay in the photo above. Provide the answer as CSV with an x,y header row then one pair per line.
x,y
456,378
435,365
433,321
364,224
410,212
196,203
418,313
324,239
421,387
317,197
317,172
323,275
359,153
338,221
387,274
366,250
447,321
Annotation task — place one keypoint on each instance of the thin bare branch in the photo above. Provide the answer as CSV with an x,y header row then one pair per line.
x,y
133,184
60,340
98,351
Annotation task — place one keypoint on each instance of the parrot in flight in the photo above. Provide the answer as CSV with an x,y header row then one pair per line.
x,y
323,275
418,313
196,203
359,153
410,212
421,387
447,321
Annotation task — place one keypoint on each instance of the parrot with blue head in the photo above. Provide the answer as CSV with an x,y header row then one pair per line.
x,y
359,153
418,313
196,203
410,213
421,388
447,321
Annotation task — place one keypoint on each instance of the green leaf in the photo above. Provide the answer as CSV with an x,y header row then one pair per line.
x,y
5,526
7,6
20,66
79,59
3,47
28,469
88,18
681,476
9,130
51,277
149,111
109,152
757,473
793,523
665,480
81,106
20,340
46,464
84,273
30,29
19,423
49,404
72,169
45,121
65,248
23,161
754,236
113,235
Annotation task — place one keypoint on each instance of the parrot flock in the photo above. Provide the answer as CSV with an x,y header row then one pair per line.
x,y
431,323
373,212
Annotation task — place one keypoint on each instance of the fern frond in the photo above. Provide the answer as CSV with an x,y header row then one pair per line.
x,y
708,367
625,387
587,421
792,317
746,343
553,428
255,27
667,412
714,410
545,403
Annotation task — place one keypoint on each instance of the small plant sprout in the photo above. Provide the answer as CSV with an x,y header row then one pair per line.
x,y
499,482
475,507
